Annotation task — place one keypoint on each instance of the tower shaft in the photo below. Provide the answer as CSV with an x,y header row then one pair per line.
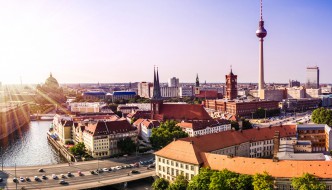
x,y
261,65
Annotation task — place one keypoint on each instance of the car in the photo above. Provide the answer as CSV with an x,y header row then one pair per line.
x,y
62,175
36,178
63,182
69,174
27,179
93,172
105,169
129,166
15,180
54,176
1,179
41,170
79,173
134,172
100,170
22,179
118,167
151,166
44,177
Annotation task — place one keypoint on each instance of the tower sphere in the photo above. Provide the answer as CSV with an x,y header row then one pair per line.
x,y
261,32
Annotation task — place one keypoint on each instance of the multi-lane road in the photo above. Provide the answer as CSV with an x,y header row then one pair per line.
x,y
87,180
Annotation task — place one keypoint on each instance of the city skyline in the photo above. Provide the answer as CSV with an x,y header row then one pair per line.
x,y
109,42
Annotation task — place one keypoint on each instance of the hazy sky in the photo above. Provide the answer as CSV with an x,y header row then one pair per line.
x,y
120,40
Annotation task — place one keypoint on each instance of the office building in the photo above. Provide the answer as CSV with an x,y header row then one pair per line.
x,y
312,77
173,82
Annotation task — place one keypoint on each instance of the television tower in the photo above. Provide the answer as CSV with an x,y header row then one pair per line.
x,y
261,33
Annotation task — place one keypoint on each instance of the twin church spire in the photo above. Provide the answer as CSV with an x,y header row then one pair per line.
x,y
156,85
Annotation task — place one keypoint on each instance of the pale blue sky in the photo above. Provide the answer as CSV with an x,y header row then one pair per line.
x,y
120,41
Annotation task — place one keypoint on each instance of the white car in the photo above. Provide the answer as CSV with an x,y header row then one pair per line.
x,y
105,169
54,176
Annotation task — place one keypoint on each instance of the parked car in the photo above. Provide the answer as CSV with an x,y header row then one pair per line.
x,y
1,179
22,179
151,166
15,180
105,169
44,177
135,172
54,176
92,172
36,178
62,175
79,173
41,170
27,179
69,174
63,182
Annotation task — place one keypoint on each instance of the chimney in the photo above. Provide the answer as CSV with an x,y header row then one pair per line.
x,y
276,144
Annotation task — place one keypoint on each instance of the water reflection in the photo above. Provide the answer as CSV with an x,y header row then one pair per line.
x,y
29,146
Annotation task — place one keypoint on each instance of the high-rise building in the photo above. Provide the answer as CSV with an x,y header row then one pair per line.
x,y
312,77
294,83
173,82
261,33
231,86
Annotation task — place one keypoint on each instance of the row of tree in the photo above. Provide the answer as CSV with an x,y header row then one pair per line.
x,y
322,116
165,134
226,180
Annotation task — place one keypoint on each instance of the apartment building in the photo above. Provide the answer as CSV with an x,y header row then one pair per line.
x,y
101,137
196,128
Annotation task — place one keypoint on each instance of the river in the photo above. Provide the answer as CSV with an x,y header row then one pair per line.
x,y
28,146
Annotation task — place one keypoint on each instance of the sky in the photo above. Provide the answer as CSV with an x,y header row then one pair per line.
x,y
88,41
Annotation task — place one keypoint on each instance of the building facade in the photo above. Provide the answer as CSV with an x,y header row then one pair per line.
x,y
312,77
101,137
173,82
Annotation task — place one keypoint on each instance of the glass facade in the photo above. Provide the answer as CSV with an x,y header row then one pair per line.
x,y
312,77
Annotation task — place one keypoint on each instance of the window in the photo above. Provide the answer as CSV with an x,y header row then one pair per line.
x,y
192,168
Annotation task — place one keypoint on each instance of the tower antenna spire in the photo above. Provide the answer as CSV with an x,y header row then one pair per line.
x,y
261,9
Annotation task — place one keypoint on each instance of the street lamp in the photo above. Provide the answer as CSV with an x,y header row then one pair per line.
x,y
1,159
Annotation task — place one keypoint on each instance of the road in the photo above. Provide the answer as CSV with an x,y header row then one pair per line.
x,y
88,180
289,120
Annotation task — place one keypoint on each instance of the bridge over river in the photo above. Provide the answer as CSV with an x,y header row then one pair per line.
x,y
87,180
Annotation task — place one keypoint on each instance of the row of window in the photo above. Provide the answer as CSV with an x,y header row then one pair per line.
x,y
176,164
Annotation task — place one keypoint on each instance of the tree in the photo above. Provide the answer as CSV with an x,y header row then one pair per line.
x,y
165,134
78,149
307,182
224,179
127,145
244,182
201,181
180,183
235,125
322,116
160,184
263,181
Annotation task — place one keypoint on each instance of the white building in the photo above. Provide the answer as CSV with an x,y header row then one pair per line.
x,y
144,128
173,82
86,107
62,127
198,128
100,138
169,92
186,91
295,93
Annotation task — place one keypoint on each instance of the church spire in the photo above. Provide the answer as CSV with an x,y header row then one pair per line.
x,y
197,80
156,86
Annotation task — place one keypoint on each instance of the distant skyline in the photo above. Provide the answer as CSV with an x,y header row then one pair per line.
x,y
82,41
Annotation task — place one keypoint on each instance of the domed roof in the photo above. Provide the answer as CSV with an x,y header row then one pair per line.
x,y
51,82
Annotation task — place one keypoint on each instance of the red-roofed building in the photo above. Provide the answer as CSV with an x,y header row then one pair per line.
x,y
198,128
101,137
144,127
185,155
178,112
